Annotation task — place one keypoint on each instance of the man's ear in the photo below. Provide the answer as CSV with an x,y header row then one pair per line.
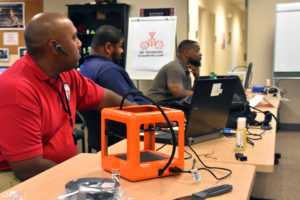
x,y
51,46
108,48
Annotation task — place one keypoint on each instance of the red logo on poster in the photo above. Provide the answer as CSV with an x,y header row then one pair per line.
x,y
152,42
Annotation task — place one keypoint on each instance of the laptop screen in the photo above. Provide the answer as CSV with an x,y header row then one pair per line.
x,y
210,106
2,69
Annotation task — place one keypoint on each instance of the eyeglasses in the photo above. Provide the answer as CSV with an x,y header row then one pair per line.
x,y
66,109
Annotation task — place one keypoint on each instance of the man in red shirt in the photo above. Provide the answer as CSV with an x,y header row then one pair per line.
x,y
40,94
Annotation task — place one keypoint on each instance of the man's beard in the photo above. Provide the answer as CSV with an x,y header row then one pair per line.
x,y
196,63
116,59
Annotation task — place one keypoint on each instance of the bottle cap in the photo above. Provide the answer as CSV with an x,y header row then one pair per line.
x,y
241,122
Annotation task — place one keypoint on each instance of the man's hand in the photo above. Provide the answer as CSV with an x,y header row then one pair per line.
x,y
194,70
165,124
111,99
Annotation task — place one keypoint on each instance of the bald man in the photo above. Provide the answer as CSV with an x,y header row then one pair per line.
x,y
40,94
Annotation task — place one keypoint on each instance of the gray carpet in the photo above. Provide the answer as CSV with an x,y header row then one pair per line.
x,y
284,183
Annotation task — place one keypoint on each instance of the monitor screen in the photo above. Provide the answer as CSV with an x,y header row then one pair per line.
x,y
241,75
248,76
2,69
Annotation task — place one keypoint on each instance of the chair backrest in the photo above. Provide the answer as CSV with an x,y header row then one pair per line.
x,y
78,134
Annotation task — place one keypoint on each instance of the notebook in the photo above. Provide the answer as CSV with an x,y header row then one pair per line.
x,y
209,110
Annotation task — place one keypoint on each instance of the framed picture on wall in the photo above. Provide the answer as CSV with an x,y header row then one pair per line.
x,y
12,16
4,54
22,51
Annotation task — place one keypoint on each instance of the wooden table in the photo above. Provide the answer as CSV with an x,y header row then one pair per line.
x,y
50,184
261,154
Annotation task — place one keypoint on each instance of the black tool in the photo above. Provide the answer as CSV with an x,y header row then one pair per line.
x,y
240,156
210,192
214,191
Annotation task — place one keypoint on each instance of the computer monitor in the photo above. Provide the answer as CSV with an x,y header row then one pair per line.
x,y
2,69
241,75
248,76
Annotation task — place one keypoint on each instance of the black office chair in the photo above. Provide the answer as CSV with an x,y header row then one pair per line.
x,y
78,134
93,123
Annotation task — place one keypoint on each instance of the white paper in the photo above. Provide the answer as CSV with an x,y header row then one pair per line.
x,y
151,45
10,38
256,99
216,89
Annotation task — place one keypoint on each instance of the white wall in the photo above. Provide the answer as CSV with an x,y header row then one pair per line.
x,y
260,41
181,11
228,30
135,5
261,33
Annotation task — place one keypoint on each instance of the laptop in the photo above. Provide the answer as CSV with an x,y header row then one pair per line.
x,y
209,110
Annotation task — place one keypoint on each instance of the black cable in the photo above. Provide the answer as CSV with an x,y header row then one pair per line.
x,y
186,158
238,67
265,112
161,147
207,168
249,141
194,163
259,135
178,170
67,110
160,171
190,155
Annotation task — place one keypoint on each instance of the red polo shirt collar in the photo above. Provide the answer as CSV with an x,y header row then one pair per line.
x,y
36,70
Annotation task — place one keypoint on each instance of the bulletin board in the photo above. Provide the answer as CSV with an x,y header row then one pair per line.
x,y
31,7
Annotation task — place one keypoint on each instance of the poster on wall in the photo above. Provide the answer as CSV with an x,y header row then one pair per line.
x,y
11,38
12,16
4,54
22,51
151,45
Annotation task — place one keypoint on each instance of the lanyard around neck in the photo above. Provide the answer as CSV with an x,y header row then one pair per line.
x,y
66,109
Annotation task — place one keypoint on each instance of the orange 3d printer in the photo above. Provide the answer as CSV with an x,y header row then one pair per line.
x,y
136,164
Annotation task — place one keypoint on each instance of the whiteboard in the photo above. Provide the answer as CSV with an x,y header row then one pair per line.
x,y
287,39
150,45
